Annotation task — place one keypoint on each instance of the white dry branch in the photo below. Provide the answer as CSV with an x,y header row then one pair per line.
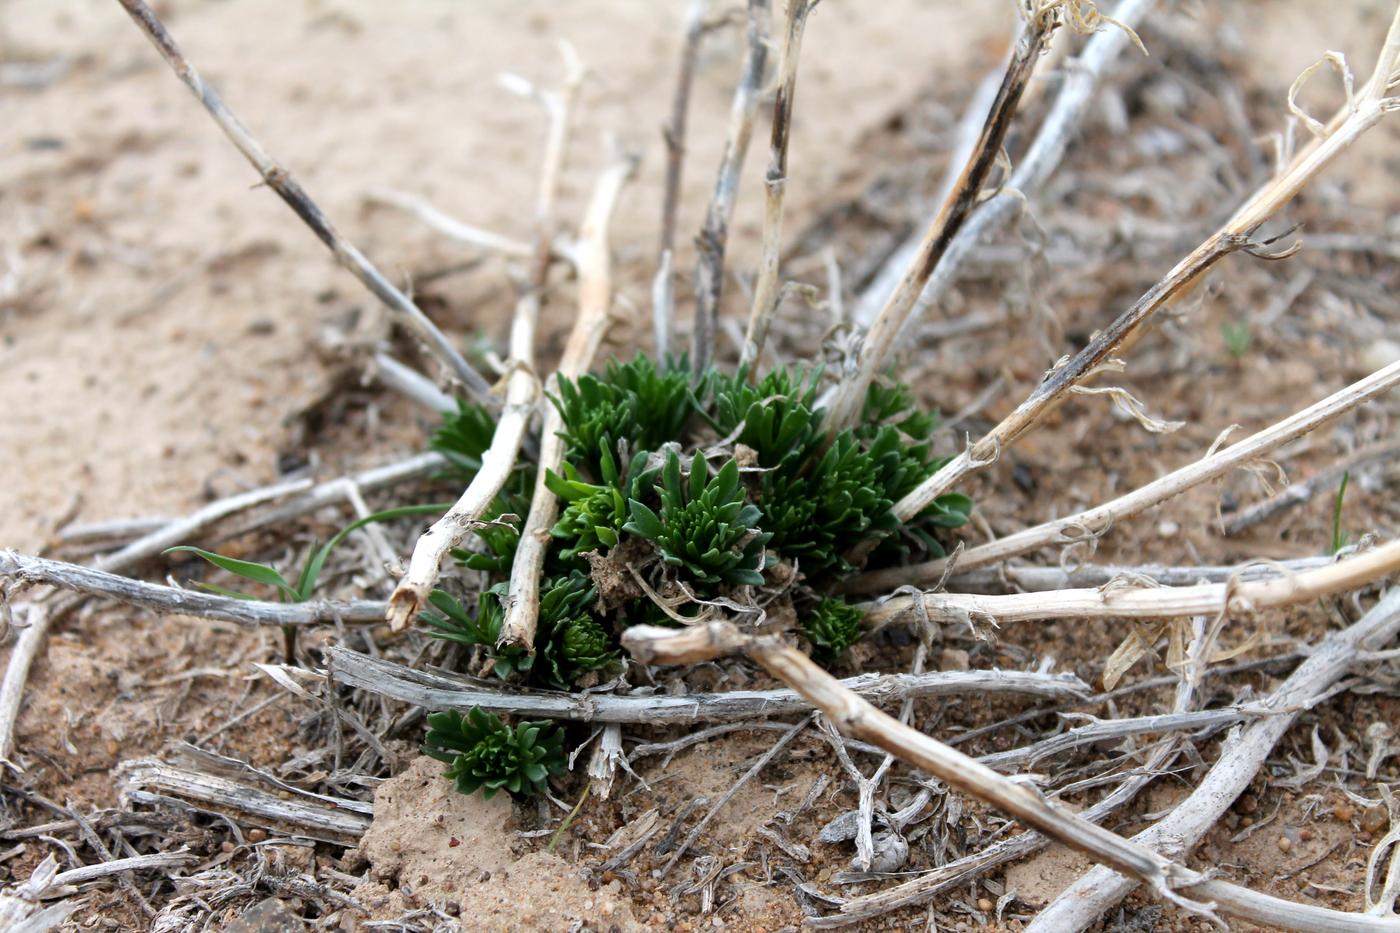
x,y
420,208
594,318
1043,156
710,244
291,191
1095,522
89,581
765,295
1241,756
409,382
1013,578
875,347
1134,601
522,386
435,690
336,820
1362,111
1167,879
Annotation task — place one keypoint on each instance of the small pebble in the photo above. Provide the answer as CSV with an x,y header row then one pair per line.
x,y
1374,820
1284,843
955,659
1168,529
257,835
1304,835
985,905
1247,804
1343,812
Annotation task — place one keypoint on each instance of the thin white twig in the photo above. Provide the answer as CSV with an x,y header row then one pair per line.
x,y
1138,602
765,294
594,318
1093,522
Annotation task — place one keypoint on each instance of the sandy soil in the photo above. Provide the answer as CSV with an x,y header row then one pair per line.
x,y
163,341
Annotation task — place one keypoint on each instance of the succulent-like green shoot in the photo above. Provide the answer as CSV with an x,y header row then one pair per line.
x,y
704,526
482,752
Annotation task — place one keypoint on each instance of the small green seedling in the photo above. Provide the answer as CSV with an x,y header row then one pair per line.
x,y
305,585
1238,338
482,752
1340,538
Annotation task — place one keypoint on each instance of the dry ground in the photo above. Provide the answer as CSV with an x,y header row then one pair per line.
x,y
167,338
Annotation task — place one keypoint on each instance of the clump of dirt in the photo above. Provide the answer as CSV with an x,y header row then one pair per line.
x,y
429,845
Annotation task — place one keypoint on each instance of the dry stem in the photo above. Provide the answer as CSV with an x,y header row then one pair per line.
x,y
1359,115
709,267
434,690
1130,601
849,398
1096,521
663,289
595,301
522,388
855,717
1081,77
1241,756
291,191
88,581
765,297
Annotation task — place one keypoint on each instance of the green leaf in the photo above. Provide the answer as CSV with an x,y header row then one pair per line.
x,y
247,569
231,594
309,575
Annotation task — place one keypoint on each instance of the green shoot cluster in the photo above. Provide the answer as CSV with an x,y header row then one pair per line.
x,y
702,485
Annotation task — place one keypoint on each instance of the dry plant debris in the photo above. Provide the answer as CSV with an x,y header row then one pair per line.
x,y
651,562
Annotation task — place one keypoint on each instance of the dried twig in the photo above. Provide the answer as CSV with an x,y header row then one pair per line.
x,y
875,347
148,780
522,388
1096,521
1043,156
663,289
695,28
435,690
424,211
1130,601
594,317
168,599
1360,114
409,382
709,267
765,295
1296,494
990,579
290,190
1168,879
1241,756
